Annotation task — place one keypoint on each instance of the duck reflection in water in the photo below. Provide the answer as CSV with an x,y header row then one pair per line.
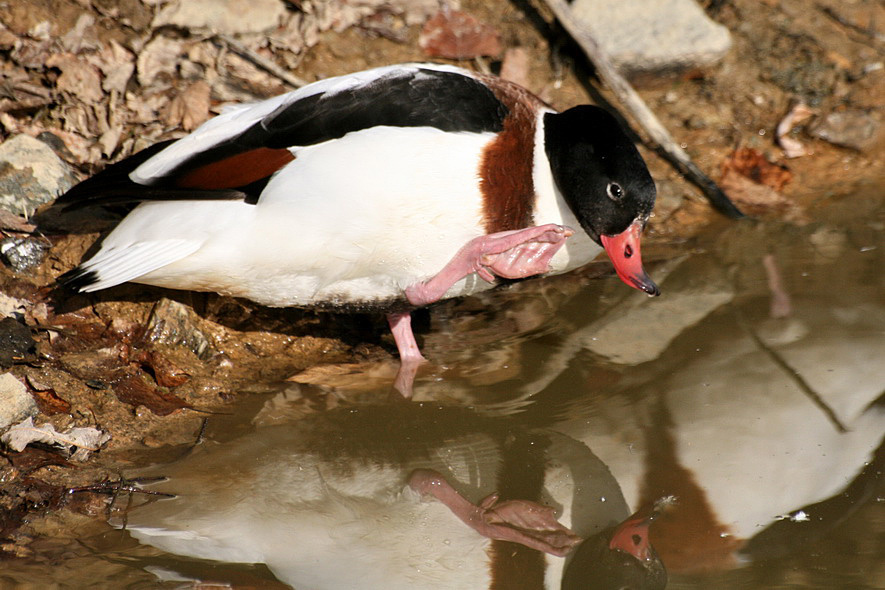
x,y
405,496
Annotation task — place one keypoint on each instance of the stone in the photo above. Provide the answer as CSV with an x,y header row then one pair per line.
x,y
23,253
16,403
31,174
175,324
854,129
223,16
648,36
16,342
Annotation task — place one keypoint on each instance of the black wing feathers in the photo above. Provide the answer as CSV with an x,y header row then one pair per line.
x,y
422,98
427,98
112,186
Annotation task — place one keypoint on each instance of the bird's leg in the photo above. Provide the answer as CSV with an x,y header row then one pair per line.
x,y
514,254
409,354
519,521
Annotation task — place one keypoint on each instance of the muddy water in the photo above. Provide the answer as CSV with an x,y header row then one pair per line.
x,y
751,391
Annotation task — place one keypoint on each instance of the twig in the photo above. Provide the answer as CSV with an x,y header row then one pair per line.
x,y
658,136
869,32
263,63
114,488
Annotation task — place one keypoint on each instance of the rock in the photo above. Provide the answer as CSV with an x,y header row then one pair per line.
x,y
856,129
172,323
647,36
223,16
16,342
671,195
453,34
23,253
16,404
13,306
30,175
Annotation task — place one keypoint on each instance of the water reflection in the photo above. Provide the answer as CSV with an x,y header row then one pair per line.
x,y
345,487
752,391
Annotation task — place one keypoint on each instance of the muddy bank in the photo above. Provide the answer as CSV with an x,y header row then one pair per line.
x,y
97,81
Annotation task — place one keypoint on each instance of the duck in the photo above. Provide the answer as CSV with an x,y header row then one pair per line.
x,y
408,496
382,190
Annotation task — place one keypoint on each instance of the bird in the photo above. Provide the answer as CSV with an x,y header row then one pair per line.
x,y
407,497
383,190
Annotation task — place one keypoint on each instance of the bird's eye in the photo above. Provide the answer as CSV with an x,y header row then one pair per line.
x,y
614,190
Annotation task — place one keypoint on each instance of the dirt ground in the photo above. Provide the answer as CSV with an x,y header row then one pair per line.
x,y
146,365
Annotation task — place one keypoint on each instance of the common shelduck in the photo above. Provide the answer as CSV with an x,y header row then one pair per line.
x,y
385,190
404,496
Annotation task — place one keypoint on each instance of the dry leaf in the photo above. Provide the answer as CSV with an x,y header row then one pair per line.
x,y
31,53
165,372
752,164
190,108
753,183
78,442
117,64
49,402
757,199
132,389
159,58
20,93
47,399
457,35
80,36
110,139
32,459
78,78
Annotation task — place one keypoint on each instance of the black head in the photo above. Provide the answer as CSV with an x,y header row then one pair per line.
x,y
598,170
605,183
619,558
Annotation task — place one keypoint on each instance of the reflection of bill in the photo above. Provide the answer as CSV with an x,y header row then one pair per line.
x,y
618,557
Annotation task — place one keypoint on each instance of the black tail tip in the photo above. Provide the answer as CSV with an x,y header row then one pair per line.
x,y
77,279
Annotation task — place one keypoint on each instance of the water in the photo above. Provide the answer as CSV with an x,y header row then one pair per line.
x,y
751,391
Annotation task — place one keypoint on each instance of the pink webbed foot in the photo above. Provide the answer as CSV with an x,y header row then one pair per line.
x,y
512,254
519,521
